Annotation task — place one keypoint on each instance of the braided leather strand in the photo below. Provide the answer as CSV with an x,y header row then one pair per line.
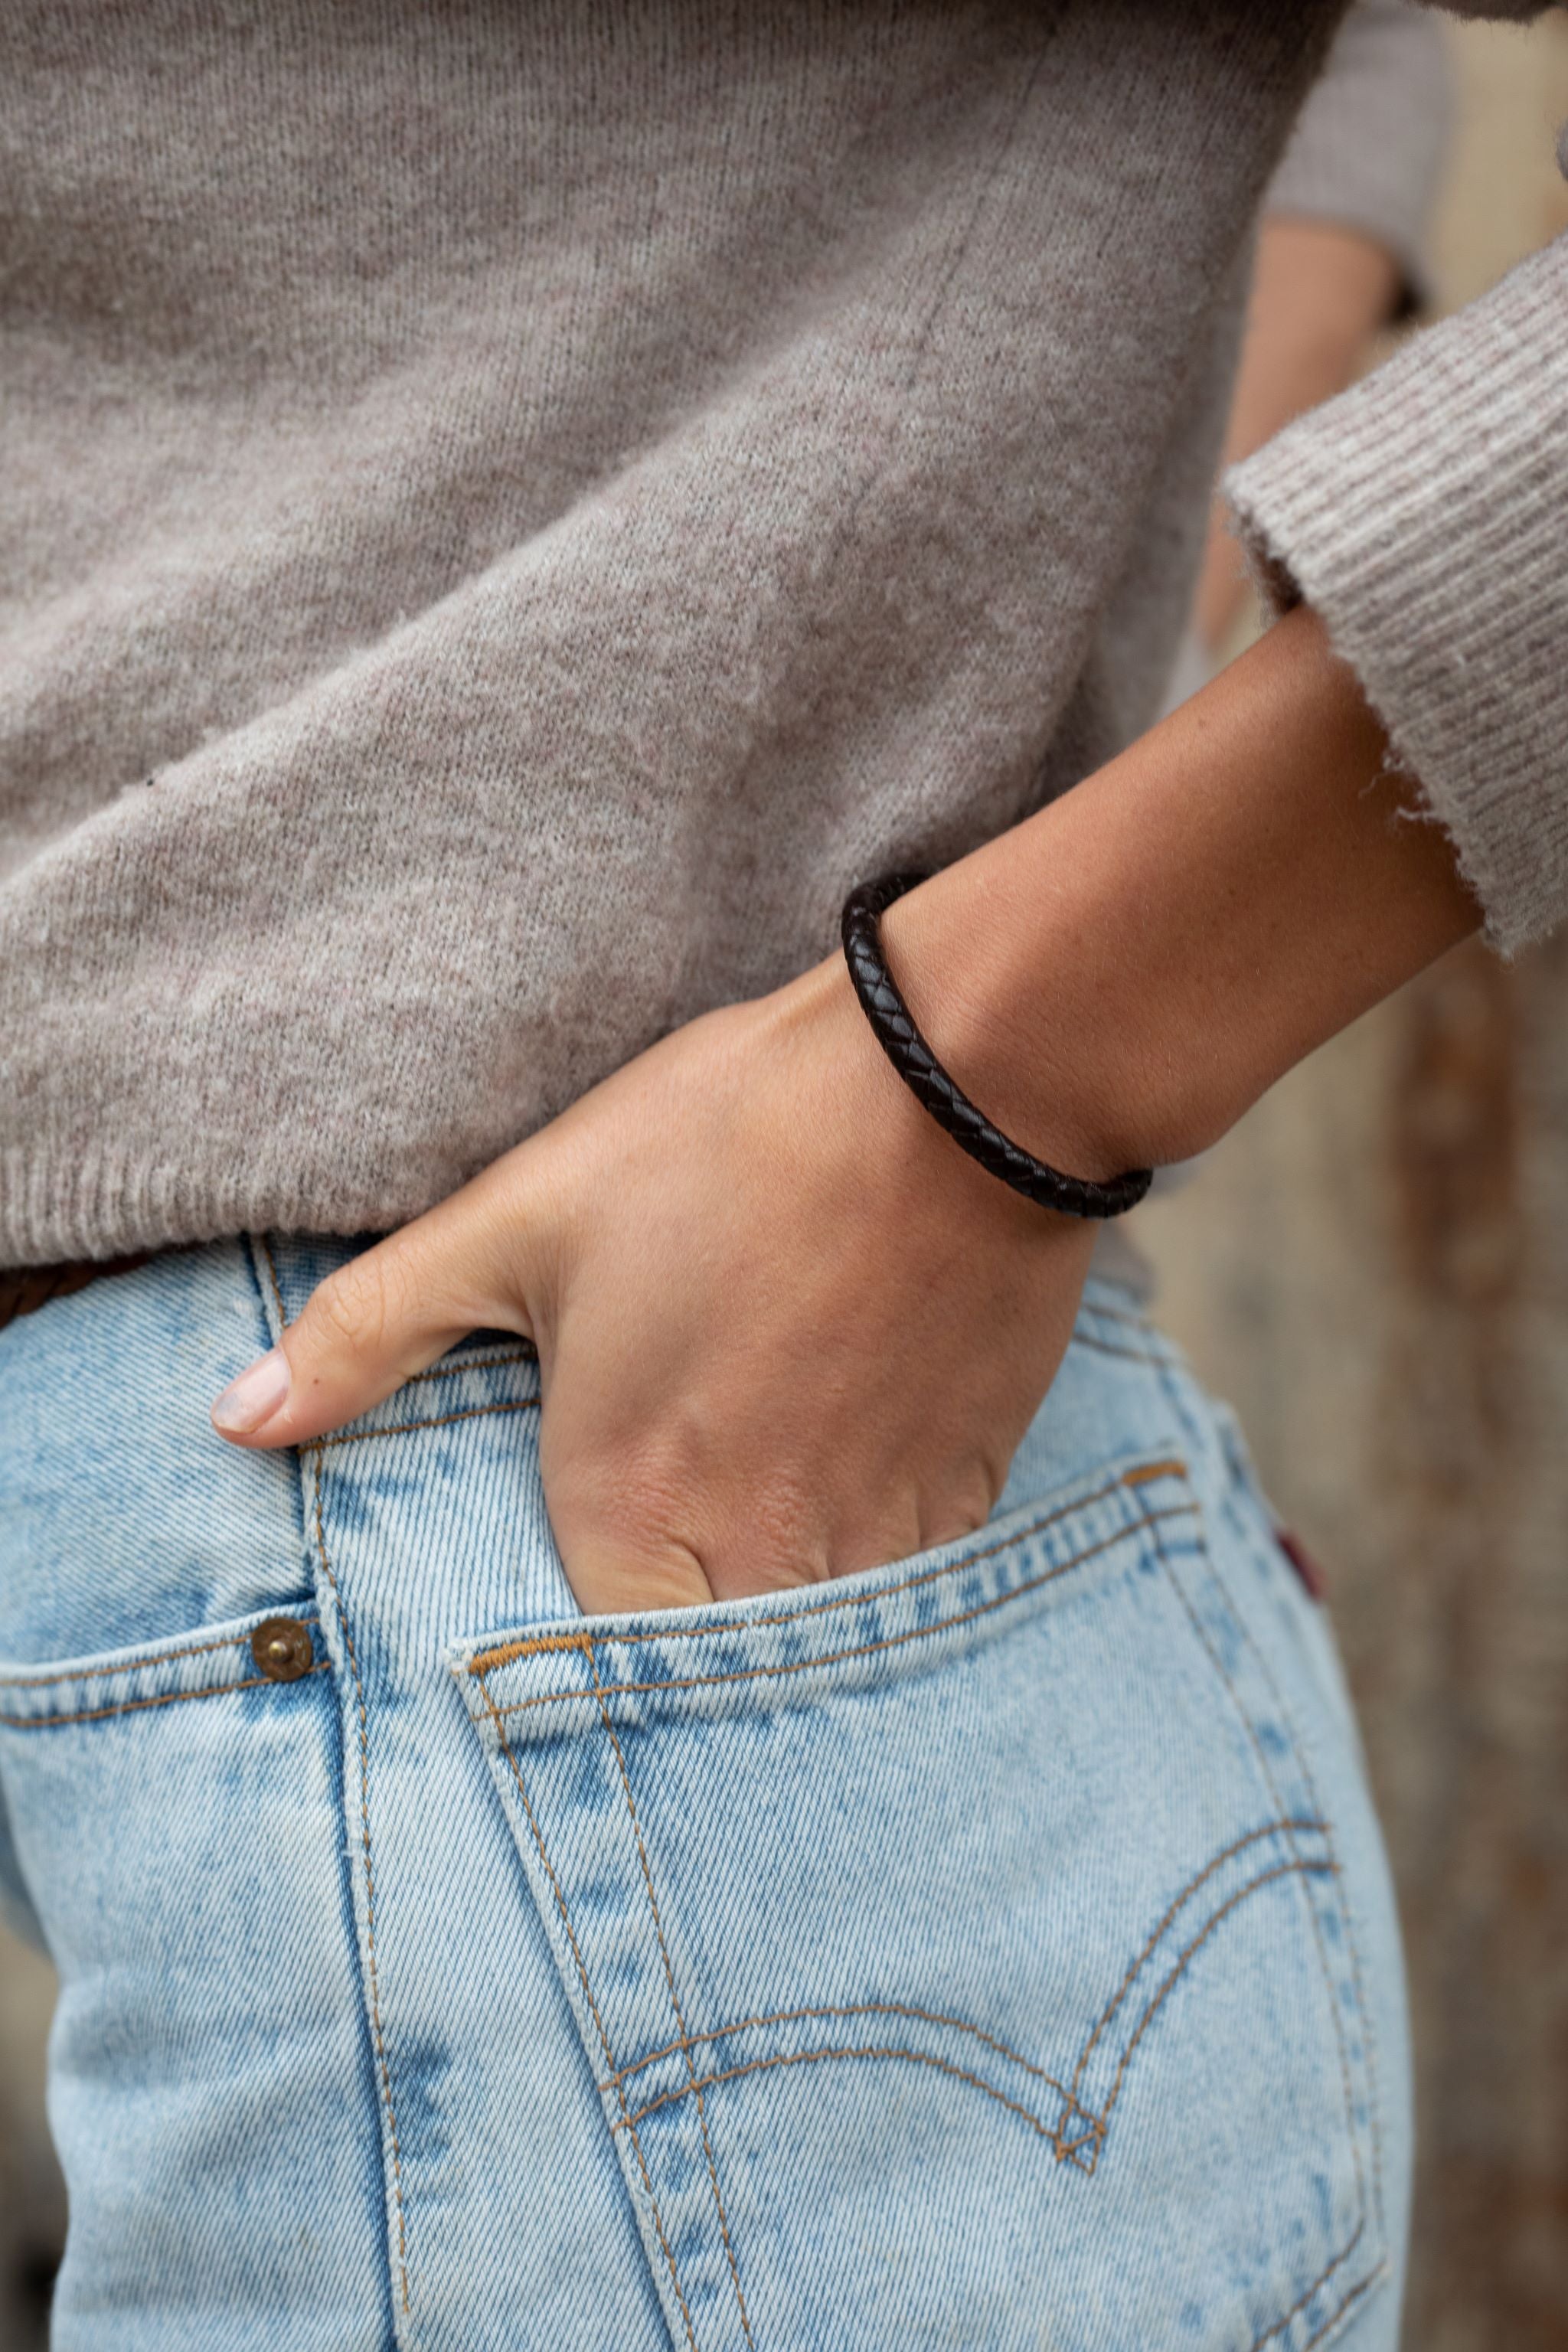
x,y
900,1040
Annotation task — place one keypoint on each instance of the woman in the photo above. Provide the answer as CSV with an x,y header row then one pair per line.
x,y
813,1809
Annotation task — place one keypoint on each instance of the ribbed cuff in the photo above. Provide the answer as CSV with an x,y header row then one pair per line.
x,y
1423,516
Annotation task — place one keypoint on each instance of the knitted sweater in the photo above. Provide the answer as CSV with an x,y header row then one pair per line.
x,y
507,510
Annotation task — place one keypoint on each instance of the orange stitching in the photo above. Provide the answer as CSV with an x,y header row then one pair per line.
x,y
908,1584
855,2009
813,2057
487,1660
592,2005
472,1364
1061,2148
369,1891
1261,1753
402,1428
674,1996
1270,1828
1355,2296
131,1666
1321,2280
1285,1870
1299,1750
135,1705
866,1649
1146,1471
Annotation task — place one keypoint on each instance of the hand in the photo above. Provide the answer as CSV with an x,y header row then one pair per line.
x,y
786,1329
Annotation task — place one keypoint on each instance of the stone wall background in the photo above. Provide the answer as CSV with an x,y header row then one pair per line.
x,y
1375,1265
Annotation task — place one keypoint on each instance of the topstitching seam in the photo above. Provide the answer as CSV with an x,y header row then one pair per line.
x,y
846,2010
1253,1837
1298,1749
1061,2148
860,1650
674,1996
626,2119
1298,1868
1301,2301
131,1666
369,1894
1168,1383
440,1420
1334,2318
137,1705
1269,1781
473,1364
1140,1475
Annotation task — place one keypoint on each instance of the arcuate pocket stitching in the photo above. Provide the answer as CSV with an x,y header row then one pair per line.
x,y
1078,2127
1271,1783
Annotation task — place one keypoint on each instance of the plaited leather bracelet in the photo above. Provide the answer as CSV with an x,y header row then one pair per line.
x,y
895,1031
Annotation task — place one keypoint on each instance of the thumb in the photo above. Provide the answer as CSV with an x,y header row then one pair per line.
x,y
464,1267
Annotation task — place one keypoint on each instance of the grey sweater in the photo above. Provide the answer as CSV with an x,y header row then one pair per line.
x,y
507,510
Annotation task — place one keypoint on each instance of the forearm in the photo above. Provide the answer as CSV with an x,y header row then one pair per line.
x,y
1320,292
1116,978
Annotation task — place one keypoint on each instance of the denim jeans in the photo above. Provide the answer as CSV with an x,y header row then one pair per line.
x,y
992,1950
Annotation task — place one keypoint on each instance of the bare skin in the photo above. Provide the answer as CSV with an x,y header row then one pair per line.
x,y
1319,293
786,1329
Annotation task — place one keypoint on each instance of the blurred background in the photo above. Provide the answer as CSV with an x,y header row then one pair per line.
x,y
1374,1266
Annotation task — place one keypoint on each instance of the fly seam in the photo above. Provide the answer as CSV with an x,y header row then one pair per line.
x,y
627,2121
674,1996
1272,1785
863,1649
131,1666
369,1893
137,1705
1269,1829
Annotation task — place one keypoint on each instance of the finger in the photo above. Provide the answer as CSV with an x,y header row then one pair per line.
x,y
466,1265
610,1580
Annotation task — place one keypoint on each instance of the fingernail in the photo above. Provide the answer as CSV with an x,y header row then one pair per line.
x,y
254,1397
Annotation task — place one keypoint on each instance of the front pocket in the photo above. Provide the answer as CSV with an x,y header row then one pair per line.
x,y
960,1951
107,1762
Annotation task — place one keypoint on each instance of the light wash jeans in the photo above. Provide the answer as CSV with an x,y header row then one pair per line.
x,y
994,1949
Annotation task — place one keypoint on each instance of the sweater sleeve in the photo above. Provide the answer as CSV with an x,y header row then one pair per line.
x,y
1423,515
1368,147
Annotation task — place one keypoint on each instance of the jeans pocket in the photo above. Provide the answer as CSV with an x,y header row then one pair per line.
x,y
174,1815
961,1952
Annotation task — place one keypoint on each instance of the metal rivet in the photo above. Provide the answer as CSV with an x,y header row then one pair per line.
x,y
283,1649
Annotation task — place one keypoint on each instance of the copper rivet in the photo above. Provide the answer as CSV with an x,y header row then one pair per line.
x,y
283,1649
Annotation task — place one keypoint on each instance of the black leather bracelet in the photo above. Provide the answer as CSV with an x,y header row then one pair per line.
x,y
900,1040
